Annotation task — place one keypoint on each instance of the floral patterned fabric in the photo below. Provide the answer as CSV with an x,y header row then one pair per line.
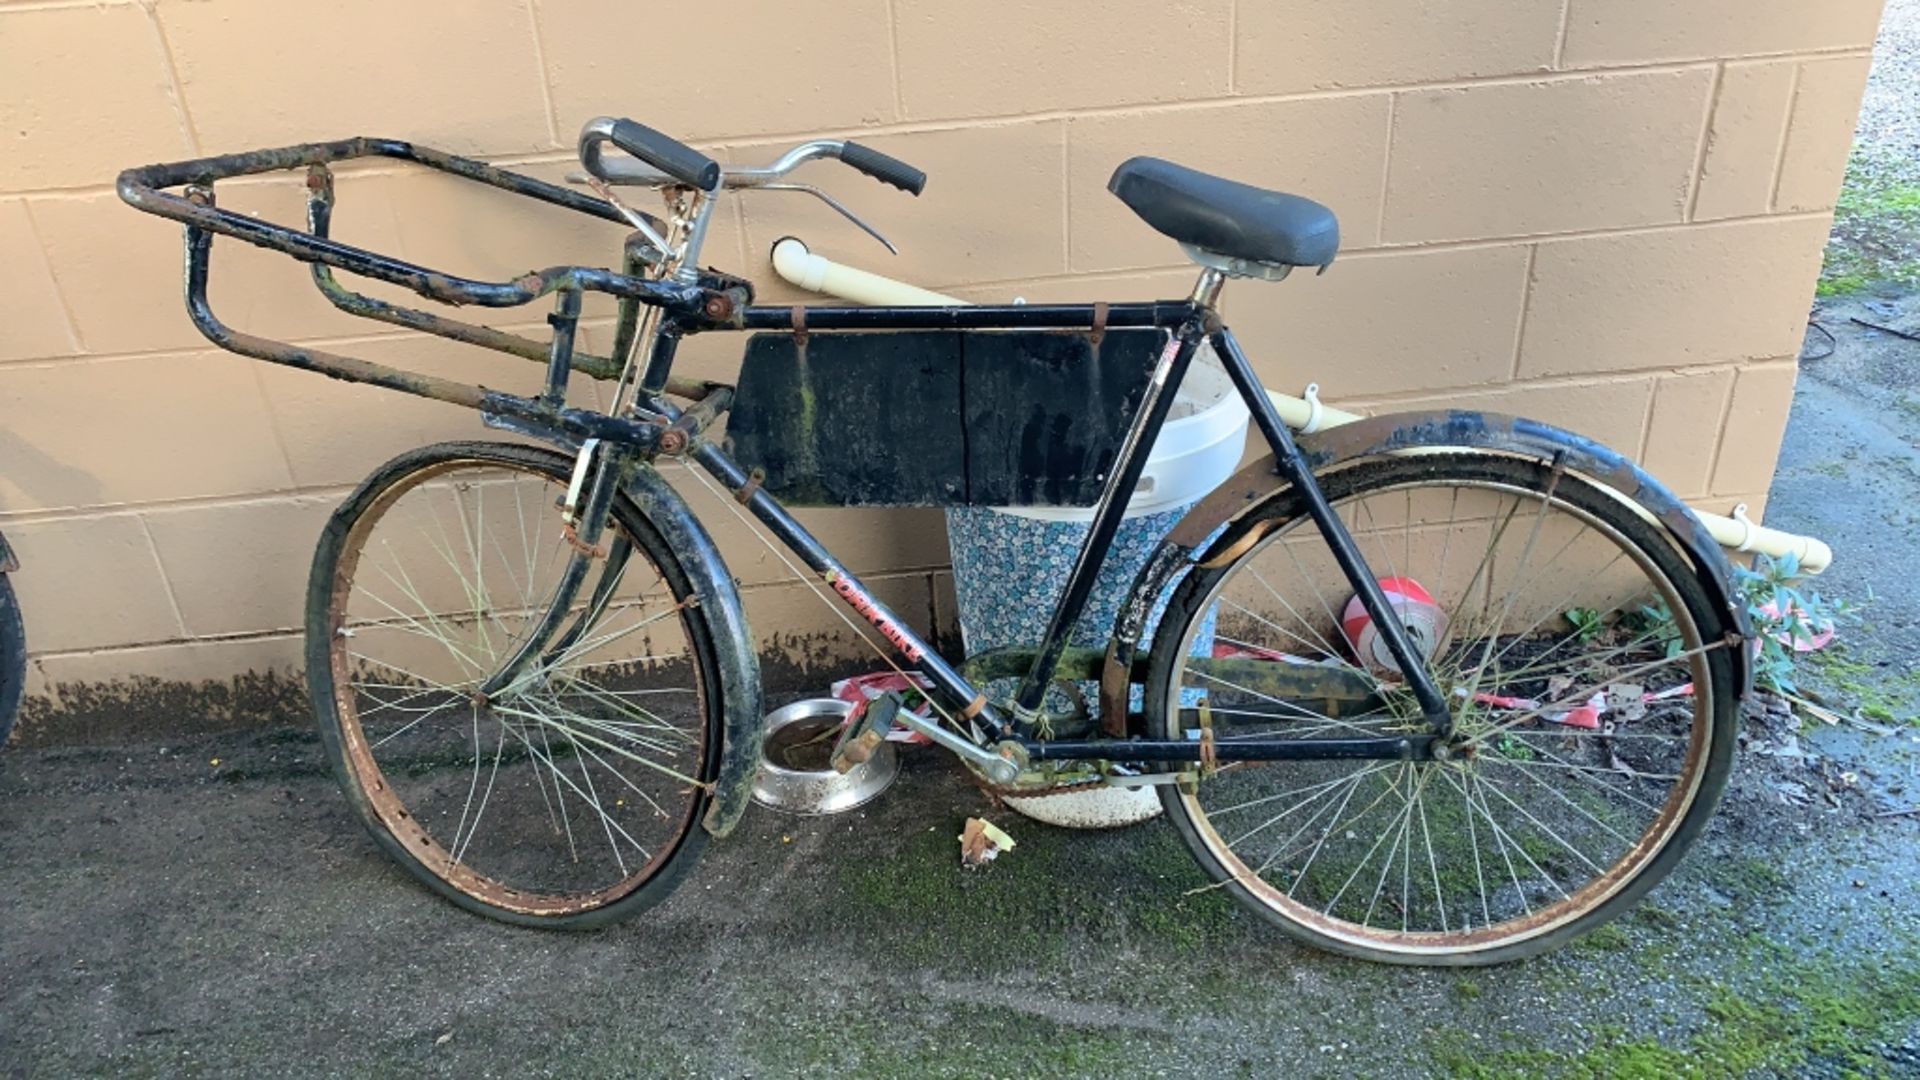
x,y
1009,572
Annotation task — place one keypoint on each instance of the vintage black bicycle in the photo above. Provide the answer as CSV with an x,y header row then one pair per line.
x,y
1443,688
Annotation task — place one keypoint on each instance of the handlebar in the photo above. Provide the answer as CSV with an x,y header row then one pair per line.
x,y
669,157
663,160
887,170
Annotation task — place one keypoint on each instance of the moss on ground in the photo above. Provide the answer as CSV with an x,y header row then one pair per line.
x,y
975,1041
1608,938
1876,226
1778,1011
1759,878
1135,890
1885,697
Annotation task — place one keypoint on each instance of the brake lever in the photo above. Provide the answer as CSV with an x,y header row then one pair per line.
x,y
634,217
835,203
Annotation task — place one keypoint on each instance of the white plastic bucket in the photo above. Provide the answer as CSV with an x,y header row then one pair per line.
x,y
1198,448
1010,564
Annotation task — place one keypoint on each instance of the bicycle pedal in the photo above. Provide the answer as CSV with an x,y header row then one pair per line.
x,y
861,738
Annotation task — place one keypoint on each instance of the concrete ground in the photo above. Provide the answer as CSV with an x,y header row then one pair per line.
x,y
208,906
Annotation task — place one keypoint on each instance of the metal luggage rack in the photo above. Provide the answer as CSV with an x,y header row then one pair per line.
x,y
708,301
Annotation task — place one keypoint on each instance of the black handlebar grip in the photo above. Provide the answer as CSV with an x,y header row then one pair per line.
x,y
887,170
669,155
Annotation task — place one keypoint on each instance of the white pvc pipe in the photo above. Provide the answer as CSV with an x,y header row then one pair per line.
x,y
792,261
1738,533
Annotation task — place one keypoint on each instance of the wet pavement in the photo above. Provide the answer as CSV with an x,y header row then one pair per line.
x,y
161,914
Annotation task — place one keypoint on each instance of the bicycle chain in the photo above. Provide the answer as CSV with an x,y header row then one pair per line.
x,y
1000,792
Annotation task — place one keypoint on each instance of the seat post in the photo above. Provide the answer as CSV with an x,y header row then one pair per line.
x,y
1206,291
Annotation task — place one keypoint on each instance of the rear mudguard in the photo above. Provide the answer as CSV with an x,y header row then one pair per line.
x,y
737,662
1210,522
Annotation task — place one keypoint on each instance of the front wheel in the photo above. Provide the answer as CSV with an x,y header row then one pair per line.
x,y
572,796
1590,679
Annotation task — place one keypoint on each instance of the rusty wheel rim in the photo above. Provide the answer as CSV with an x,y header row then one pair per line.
x,y
1500,742
392,797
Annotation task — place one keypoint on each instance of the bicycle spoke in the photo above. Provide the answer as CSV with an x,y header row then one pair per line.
x,y
1536,817
1393,570
1433,864
458,563
558,797
1307,713
1582,695
1550,832
411,724
1574,806
1319,789
1513,595
1587,774
1318,643
1392,786
1486,561
571,729
1353,789
1477,785
492,775
606,821
1473,845
1558,609
1513,874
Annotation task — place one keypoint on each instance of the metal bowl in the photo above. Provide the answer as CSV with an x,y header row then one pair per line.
x,y
795,775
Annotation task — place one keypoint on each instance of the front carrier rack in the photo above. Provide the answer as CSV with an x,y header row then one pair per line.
x,y
709,301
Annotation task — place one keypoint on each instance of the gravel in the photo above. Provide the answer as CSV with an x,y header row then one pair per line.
x,y
1890,112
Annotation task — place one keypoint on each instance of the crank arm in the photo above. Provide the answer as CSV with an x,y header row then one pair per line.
x,y
1002,764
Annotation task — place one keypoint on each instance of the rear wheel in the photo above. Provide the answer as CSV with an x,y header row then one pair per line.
x,y
572,797
1590,679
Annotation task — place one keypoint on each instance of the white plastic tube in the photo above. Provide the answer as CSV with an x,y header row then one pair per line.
x,y
814,273
792,261
1737,533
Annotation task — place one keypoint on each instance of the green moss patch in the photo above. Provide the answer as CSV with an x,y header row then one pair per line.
x,y
1135,889
1876,226
1782,1013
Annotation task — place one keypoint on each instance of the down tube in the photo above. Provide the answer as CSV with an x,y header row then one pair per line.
x,y
802,543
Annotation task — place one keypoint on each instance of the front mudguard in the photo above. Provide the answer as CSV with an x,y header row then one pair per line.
x,y
1209,522
735,658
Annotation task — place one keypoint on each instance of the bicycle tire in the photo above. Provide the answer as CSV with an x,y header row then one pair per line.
x,y
13,658
374,794
1714,723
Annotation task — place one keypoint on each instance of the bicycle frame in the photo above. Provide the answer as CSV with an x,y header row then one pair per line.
x,y
1189,323
677,302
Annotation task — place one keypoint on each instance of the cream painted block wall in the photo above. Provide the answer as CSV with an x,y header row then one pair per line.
x,y
1605,213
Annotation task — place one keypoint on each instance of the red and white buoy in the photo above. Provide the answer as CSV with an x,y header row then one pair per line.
x,y
1425,622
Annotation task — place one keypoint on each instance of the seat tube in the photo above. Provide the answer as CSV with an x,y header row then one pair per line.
x,y
1294,469
1112,507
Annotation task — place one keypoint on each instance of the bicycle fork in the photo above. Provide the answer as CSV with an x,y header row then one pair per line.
x,y
585,511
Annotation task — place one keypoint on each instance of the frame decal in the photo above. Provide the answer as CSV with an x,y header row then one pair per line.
x,y
858,600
